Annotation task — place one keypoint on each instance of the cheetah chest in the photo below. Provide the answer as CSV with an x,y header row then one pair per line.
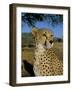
x,y
42,64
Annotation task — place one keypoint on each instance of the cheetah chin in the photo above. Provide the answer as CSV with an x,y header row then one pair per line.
x,y
48,46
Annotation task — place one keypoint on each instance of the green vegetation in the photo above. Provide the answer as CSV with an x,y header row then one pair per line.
x,y
27,40
32,18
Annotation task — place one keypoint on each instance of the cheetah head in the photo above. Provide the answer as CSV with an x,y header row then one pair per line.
x,y
43,37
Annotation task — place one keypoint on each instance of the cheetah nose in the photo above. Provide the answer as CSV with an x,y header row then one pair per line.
x,y
51,41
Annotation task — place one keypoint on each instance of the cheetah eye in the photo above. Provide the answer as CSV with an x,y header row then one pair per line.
x,y
51,35
44,34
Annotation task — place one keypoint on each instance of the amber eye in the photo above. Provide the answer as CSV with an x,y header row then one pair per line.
x,y
51,35
44,34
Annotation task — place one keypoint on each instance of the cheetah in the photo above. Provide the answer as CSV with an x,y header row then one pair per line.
x,y
46,63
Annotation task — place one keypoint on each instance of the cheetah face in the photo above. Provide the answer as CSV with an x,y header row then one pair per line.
x,y
43,37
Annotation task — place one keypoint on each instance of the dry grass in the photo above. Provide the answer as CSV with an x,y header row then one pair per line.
x,y
27,54
58,47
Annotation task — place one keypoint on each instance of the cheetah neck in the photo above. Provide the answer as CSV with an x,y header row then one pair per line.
x,y
39,48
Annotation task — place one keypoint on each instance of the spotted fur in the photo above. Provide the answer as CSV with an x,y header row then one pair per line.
x,y
46,63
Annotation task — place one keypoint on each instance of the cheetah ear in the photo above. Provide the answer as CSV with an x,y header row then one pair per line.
x,y
34,31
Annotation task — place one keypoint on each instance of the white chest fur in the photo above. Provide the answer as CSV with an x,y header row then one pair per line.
x,y
38,52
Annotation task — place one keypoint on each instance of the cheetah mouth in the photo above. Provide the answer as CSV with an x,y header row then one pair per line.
x,y
48,45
